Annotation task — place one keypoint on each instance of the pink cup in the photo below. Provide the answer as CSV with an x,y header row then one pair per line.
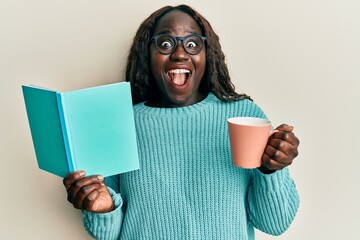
x,y
248,138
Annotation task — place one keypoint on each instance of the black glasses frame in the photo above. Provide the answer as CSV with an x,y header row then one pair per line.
x,y
175,40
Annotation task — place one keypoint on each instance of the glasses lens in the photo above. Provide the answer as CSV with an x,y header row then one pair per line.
x,y
165,44
193,44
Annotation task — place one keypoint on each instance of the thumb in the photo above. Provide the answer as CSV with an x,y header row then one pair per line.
x,y
285,127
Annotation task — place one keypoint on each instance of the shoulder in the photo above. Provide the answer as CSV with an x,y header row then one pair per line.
x,y
243,107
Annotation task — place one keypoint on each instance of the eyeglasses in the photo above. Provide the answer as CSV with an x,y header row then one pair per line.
x,y
166,44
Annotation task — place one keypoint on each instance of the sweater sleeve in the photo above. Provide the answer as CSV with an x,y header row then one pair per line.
x,y
273,201
106,225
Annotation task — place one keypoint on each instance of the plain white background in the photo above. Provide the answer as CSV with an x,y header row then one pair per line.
x,y
299,60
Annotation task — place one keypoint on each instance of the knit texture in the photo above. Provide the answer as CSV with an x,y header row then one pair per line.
x,y
187,186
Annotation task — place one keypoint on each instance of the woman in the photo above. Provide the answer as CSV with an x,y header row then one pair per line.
x,y
187,187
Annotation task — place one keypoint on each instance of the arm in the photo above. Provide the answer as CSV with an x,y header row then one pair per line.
x,y
99,202
106,225
273,198
273,201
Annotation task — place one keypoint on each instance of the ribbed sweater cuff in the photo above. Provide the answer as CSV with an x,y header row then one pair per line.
x,y
274,201
108,224
271,182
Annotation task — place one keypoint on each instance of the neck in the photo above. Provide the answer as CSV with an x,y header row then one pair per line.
x,y
161,103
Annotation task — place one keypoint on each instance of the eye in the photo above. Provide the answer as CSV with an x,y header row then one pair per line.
x,y
166,44
191,44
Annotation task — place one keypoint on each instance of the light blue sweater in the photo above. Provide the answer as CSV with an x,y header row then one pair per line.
x,y
187,186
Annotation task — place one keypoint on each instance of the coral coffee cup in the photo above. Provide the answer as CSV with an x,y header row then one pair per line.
x,y
248,138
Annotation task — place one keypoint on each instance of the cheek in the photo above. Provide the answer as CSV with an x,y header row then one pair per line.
x,y
201,64
156,63
152,62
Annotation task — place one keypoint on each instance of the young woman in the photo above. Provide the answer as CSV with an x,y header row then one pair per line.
x,y
187,186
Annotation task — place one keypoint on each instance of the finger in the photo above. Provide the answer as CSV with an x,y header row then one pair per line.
x,y
271,164
90,200
277,155
83,194
281,145
285,127
72,177
286,136
76,186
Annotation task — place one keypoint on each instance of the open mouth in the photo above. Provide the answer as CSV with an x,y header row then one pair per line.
x,y
179,77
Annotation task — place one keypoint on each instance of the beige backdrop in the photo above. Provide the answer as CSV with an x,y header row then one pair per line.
x,y
299,60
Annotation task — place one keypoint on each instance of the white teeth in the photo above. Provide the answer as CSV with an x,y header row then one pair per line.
x,y
178,76
178,71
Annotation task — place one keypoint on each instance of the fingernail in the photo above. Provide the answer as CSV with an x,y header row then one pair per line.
x,y
82,173
100,177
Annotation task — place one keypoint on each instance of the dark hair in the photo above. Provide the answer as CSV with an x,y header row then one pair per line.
x,y
216,78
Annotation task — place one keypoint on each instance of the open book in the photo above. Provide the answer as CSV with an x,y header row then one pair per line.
x,y
90,129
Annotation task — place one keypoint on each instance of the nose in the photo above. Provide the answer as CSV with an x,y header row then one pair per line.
x,y
179,53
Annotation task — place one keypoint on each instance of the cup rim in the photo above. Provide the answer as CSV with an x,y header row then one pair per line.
x,y
249,121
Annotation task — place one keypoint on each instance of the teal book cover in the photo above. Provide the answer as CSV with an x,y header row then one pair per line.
x,y
90,129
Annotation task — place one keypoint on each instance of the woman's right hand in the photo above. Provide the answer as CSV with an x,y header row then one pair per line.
x,y
88,193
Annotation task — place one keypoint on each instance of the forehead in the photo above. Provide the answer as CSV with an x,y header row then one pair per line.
x,y
177,22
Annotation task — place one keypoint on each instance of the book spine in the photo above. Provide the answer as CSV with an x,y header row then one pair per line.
x,y
65,129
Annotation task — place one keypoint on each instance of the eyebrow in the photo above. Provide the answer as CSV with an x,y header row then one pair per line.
x,y
171,30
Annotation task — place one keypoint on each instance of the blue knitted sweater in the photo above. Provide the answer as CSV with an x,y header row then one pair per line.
x,y
187,186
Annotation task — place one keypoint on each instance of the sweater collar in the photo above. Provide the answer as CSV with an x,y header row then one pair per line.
x,y
141,108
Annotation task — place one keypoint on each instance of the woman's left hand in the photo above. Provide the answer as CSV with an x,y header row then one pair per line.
x,y
281,149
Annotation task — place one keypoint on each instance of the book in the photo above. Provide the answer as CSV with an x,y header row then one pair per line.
x,y
90,129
